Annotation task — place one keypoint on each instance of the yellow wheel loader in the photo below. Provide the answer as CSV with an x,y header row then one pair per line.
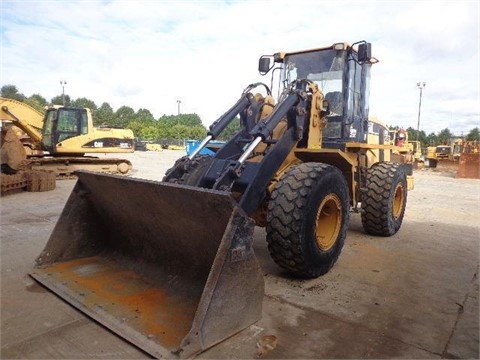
x,y
442,154
59,140
469,159
182,276
409,150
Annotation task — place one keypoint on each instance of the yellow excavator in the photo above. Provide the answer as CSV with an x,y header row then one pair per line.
x,y
182,276
59,139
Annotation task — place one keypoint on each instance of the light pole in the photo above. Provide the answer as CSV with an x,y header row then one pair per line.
x,y
420,86
178,106
178,119
63,83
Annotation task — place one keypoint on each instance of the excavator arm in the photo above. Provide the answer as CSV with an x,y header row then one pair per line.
x,y
23,116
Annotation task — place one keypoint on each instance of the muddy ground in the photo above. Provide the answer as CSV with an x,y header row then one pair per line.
x,y
414,295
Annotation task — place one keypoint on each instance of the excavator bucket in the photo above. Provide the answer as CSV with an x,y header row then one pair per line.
x,y
170,268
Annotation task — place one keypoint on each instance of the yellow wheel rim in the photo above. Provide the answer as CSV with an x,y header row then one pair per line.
x,y
328,223
398,201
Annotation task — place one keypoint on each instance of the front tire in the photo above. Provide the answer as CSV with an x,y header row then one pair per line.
x,y
432,163
307,219
385,199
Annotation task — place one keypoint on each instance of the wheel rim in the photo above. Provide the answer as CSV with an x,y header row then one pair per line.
x,y
398,201
328,223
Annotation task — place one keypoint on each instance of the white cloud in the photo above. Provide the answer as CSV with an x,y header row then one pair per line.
x,y
149,54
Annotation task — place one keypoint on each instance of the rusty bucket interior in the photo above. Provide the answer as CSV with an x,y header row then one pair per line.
x,y
169,268
469,166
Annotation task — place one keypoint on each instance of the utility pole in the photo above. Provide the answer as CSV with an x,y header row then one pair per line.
x,y
178,119
178,106
63,83
420,86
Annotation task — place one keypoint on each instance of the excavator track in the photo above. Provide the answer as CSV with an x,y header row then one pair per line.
x,y
29,180
64,167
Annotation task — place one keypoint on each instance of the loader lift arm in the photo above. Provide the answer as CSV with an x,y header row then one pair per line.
x,y
251,178
248,118
229,170
249,108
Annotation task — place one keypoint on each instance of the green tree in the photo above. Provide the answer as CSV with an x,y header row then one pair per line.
x,y
11,92
444,137
145,116
473,135
123,116
169,120
163,129
197,132
182,119
411,133
412,136
104,115
58,100
423,138
149,133
190,120
432,139
37,101
137,127
180,127
85,103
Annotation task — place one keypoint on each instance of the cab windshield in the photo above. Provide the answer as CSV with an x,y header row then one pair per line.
x,y
64,123
324,67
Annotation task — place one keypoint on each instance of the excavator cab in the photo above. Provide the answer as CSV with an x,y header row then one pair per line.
x,y
61,124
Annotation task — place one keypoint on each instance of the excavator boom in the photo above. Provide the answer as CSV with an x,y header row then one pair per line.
x,y
18,113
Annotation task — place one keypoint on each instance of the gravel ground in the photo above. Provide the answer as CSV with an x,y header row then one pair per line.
x,y
413,295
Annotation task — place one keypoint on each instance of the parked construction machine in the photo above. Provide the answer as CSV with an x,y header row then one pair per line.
x,y
65,136
170,265
442,154
408,150
468,159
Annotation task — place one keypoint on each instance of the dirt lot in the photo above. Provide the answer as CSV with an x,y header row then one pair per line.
x,y
414,295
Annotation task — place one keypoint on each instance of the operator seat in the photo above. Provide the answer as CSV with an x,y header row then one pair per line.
x,y
335,100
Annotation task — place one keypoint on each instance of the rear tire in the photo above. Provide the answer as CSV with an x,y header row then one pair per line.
x,y
186,171
385,199
307,219
432,163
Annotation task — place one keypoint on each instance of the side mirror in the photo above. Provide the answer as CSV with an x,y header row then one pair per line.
x,y
264,65
364,52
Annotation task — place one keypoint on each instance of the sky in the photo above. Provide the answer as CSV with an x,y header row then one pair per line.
x,y
199,55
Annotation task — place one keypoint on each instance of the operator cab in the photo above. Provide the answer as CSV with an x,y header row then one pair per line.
x,y
62,123
343,76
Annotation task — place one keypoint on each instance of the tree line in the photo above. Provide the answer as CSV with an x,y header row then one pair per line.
x,y
444,137
171,128
166,129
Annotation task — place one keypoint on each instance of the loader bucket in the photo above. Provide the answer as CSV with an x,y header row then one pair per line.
x,y
170,268
469,166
